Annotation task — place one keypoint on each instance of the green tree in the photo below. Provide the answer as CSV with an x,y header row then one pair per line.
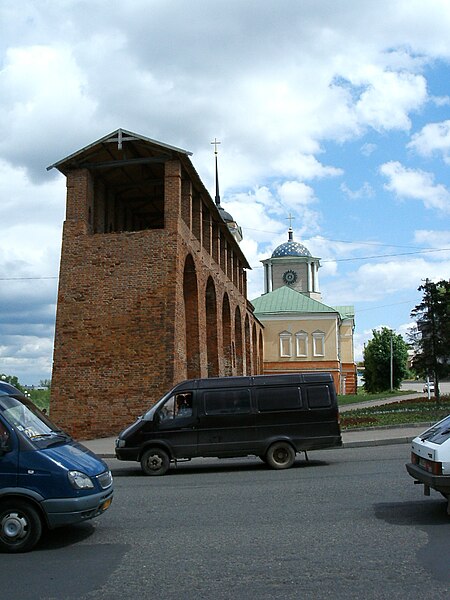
x,y
377,361
430,337
12,379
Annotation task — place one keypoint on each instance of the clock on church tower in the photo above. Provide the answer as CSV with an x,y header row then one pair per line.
x,y
290,277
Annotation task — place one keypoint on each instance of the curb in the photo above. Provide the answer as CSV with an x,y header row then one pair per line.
x,y
385,442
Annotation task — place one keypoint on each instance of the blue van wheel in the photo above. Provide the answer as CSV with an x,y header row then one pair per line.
x,y
155,461
280,455
20,526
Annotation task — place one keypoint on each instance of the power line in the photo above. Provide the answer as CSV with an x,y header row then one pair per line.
x,y
386,255
336,260
339,241
384,306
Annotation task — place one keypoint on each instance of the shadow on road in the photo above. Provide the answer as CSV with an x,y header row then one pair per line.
x,y
424,512
214,466
65,536
430,516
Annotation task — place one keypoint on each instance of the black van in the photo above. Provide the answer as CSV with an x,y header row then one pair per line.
x,y
270,416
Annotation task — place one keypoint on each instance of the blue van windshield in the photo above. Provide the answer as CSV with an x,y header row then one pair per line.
x,y
30,422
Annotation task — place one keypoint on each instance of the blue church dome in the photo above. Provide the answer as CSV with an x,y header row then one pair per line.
x,y
290,248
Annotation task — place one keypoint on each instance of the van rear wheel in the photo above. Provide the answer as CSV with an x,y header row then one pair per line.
x,y
20,526
280,455
155,461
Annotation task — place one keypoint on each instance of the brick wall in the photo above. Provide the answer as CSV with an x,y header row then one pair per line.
x,y
132,316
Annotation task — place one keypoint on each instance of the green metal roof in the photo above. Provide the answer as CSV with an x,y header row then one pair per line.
x,y
287,300
346,312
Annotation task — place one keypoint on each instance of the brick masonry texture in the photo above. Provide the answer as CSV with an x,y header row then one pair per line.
x,y
140,310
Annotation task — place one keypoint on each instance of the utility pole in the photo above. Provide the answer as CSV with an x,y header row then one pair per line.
x,y
392,363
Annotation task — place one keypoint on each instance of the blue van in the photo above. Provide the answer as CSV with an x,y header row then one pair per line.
x,y
46,479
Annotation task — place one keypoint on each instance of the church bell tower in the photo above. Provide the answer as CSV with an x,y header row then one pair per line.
x,y
292,265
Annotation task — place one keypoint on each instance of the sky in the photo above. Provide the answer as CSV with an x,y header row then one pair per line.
x,y
336,112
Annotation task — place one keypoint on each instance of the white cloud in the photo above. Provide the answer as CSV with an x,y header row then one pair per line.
x,y
45,98
373,281
433,238
303,166
417,185
389,97
433,138
368,149
365,191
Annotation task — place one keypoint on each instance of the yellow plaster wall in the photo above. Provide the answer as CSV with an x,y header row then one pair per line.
x,y
274,328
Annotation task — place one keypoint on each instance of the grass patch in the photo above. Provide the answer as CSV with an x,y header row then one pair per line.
x,y
404,412
363,396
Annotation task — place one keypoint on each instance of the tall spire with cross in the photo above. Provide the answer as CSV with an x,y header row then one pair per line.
x,y
217,198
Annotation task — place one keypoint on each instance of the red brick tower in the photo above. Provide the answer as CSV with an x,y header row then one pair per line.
x,y
152,286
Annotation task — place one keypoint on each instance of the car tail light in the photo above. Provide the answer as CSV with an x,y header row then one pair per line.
x,y
431,466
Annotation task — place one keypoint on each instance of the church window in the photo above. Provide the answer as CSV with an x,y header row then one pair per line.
x,y
301,343
318,343
285,344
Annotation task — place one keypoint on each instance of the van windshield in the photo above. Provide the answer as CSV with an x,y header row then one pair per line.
x,y
148,416
30,422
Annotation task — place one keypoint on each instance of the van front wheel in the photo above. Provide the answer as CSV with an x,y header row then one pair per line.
x,y
20,526
280,456
155,461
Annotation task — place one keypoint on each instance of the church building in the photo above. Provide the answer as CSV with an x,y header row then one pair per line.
x,y
301,333
152,286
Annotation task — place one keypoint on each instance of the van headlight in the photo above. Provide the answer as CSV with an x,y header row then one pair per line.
x,y
120,443
80,481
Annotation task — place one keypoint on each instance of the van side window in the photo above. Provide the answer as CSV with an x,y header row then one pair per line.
x,y
227,401
318,396
179,405
278,398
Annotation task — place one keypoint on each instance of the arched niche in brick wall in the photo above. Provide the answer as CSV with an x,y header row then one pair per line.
x,y
248,356
211,329
238,341
190,293
226,336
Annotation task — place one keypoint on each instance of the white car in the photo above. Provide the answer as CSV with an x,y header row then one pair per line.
x,y
429,385
430,459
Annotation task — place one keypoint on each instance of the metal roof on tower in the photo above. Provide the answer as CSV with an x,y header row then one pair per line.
x,y
290,248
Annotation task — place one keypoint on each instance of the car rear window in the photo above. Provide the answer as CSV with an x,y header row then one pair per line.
x,y
439,433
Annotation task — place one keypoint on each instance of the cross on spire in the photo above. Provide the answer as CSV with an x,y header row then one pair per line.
x,y
215,143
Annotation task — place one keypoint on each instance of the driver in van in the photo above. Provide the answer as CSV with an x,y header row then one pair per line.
x,y
184,405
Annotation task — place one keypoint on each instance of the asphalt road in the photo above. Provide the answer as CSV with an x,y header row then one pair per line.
x,y
348,524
